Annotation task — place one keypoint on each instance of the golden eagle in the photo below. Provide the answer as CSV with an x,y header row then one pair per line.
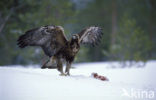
x,y
54,43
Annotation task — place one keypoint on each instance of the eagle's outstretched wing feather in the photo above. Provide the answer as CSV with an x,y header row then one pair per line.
x,y
90,35
50,38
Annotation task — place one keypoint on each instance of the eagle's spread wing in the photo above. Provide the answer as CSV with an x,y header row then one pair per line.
x,y
90,35
50,38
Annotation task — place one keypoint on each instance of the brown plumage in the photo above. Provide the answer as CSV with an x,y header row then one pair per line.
x,y
55,44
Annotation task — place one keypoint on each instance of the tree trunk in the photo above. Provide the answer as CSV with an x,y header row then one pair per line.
x,y
151,18
151,25
114,22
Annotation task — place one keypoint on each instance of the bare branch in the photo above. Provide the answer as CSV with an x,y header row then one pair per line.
x,y
12,10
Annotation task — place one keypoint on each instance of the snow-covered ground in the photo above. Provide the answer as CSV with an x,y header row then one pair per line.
x,y
18,83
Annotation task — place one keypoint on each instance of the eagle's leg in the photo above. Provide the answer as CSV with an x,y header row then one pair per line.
x,y
68,65
53,59
60,67
52,62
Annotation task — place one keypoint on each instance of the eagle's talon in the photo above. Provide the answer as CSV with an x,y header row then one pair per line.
x,y
67,74
63,74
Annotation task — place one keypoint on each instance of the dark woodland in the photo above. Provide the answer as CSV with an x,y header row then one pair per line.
x,y
129,28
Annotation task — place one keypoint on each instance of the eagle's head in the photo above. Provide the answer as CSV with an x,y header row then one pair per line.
x,y
74,44
75,37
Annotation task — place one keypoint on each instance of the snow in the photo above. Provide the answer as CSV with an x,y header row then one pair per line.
x,y
32,83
